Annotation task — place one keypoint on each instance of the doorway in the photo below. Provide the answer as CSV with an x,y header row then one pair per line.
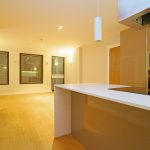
x,y
58,70
114,65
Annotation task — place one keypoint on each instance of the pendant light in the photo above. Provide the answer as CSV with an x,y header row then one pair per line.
x,y
98,24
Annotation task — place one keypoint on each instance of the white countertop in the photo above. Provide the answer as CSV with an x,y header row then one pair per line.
x,y
101,91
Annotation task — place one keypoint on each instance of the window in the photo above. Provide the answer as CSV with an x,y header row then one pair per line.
x,y
4,68
31,69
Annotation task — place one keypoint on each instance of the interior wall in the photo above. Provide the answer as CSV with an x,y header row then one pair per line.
x,y
15,88
95,61
72,71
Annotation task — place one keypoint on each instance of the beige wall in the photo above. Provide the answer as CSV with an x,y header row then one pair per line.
x,y
95,61
15,88
72,71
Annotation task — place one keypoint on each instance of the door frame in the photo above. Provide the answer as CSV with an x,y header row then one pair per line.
x,y
108,51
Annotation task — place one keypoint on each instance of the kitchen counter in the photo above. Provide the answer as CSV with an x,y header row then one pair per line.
x,y
101,118
102,91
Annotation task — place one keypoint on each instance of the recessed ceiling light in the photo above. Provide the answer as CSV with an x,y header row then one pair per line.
x,y
60,27
42,45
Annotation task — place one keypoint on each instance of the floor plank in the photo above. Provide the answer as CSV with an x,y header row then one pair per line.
x,y
27,123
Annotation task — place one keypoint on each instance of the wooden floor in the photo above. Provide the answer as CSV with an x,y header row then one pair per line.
x,y
26,123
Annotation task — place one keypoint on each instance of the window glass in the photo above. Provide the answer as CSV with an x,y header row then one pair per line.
x,y
4,68
31,69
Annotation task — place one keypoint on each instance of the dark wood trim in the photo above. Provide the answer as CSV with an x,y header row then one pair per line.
x,y
42,68
6,52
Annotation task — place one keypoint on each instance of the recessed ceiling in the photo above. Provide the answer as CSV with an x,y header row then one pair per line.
x,y
24,22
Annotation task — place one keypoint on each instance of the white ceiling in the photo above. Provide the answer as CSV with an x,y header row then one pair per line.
x,y
24,22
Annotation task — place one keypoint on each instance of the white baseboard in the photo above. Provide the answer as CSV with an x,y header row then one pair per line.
x,y
28,92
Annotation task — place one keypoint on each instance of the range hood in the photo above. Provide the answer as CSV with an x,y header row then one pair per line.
x,y
134,13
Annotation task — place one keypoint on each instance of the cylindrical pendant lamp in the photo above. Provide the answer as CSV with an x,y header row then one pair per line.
x,y
98,28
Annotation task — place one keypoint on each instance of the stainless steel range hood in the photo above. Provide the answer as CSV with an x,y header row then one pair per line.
x,y
134,13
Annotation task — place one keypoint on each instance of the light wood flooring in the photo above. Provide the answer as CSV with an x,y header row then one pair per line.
x,y
26,123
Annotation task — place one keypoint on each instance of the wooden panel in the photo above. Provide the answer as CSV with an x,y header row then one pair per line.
x,y
148,39
114,69
106,125
133,57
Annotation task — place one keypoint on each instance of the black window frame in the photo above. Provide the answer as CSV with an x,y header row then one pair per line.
x,y
42,69
5,52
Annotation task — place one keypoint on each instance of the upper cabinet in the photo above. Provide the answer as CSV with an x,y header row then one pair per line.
x,y
134,13
133,67
148,39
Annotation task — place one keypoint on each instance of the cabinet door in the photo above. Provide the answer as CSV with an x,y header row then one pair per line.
x,y
133,58
148,39
114,65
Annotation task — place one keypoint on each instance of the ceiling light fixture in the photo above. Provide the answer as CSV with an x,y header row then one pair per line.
x,y
98,24
42,45
60,27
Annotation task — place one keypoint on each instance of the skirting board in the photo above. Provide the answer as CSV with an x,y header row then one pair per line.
x,y
28,92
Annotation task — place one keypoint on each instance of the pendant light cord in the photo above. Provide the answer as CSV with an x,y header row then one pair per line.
x,y
99,7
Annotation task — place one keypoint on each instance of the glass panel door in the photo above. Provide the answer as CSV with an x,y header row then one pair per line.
x,y
57,70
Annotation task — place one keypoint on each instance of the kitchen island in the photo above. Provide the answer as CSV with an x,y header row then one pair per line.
x,y
102,119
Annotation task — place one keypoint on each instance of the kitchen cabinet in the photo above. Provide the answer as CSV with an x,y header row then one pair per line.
x,y
133,58
96,116
114,65
148,39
